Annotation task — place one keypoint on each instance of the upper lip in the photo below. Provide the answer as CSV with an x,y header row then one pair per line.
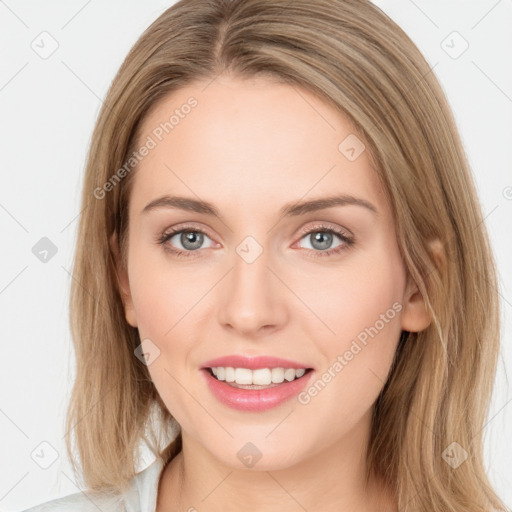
x,y
253,363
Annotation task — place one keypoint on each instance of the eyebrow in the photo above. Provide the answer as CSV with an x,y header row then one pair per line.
x,y
292,209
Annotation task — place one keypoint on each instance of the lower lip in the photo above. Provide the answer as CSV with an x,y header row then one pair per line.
x,y
255,399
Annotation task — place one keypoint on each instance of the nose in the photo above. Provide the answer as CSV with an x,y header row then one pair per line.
x,y
252,301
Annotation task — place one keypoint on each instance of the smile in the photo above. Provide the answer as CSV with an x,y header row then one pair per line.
x,y
259,377
239,394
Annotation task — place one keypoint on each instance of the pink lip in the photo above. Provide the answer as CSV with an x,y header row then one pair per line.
x,y
254,399
253,363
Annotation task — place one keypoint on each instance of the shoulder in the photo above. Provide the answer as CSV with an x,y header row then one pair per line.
x,y
82,502
140,494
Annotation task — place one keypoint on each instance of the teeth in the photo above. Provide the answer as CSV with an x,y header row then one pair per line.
x,y
243,376
277,375
289,374
230,375
259,377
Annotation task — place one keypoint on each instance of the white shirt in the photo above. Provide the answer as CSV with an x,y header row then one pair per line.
x,y
140,496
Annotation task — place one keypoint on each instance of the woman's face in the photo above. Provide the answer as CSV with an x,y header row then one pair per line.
x,y
264,280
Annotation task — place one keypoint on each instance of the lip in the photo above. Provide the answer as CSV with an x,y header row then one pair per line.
x,y
253,363
255,400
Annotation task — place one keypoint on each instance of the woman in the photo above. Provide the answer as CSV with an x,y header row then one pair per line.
x,y
282,282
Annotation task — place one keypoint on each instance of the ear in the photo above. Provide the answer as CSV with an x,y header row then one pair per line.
x,y
123,281
415,315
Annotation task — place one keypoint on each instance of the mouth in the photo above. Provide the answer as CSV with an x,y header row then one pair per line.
x,y
255,389
259,378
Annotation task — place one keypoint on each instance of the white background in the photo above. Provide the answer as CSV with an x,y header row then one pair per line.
x,y
48,110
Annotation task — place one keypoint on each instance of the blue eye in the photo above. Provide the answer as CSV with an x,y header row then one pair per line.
x,y
192,239
323,236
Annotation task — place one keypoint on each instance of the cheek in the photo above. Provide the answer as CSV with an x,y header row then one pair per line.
x,y
358,295
363,307
366,326
167,302
163,300
162,294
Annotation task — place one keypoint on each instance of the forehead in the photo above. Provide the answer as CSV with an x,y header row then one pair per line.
x,y
250,143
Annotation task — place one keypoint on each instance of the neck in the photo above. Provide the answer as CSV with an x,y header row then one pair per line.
x,y
330,480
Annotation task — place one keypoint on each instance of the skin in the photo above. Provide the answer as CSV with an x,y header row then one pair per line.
x,y
249,147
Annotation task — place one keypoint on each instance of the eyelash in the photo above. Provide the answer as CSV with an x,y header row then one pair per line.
x,y
348,241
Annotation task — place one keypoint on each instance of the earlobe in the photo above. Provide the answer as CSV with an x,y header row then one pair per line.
x,y
123,283
416,316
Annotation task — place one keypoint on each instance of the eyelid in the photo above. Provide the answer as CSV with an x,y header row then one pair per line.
x,y
186,227
343,233
305,230
319,225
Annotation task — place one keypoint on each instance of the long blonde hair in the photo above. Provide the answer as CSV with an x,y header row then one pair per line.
x,y
353,56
